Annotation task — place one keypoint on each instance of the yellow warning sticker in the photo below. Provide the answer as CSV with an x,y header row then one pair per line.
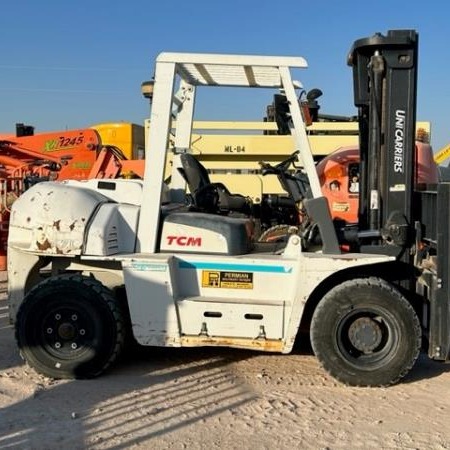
x,y
227,280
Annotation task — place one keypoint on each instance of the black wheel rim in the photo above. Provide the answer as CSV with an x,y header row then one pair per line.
x,y
367,337
66,331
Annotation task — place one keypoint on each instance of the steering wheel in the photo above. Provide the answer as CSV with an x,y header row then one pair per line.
x,y
281,167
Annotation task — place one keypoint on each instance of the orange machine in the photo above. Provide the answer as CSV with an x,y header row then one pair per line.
x,y
112,163
339,178
73,151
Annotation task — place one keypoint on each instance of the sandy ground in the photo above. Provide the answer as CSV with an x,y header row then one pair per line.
x,y
217,399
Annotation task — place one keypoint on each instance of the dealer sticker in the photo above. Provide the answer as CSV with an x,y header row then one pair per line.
x,y
340,206
227,280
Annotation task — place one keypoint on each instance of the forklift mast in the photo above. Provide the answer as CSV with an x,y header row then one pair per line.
x,y
385,85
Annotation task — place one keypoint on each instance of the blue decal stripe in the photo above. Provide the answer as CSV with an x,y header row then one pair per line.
x,y
236,267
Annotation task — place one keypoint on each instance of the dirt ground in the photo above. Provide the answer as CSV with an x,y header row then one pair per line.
x,y
217,399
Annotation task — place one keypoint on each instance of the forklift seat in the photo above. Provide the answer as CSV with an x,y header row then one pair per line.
x,y
207,196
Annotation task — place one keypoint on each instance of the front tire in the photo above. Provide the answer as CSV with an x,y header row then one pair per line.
x,y
70,326
365,333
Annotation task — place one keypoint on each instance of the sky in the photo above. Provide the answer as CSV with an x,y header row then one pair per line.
x,y
67,65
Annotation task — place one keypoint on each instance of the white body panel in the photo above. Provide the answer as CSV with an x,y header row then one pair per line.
x,y
120,190
43,221
179,237
151,285
253,301
113,230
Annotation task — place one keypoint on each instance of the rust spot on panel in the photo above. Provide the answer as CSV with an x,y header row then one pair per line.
x,y
72,226
56,224
28,219
45,245
267,345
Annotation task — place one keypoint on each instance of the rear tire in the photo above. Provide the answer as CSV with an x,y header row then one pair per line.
x,y
70,326
365,333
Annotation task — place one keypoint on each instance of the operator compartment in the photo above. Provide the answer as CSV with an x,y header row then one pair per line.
x,y
195,232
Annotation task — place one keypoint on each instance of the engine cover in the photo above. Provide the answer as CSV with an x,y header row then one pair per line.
x,y
52,218
194,232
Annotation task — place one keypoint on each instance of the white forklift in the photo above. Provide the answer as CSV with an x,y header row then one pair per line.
x,y
89,262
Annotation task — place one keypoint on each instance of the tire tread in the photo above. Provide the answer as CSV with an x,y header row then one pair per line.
x,y
103,294
370,282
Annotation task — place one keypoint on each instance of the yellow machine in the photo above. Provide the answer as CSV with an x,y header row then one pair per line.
x,y
231,151
129,137
442,154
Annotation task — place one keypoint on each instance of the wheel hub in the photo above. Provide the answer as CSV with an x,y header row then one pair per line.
x,y
66,331
365,334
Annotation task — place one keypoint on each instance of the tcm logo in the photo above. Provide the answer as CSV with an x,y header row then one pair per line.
x,y
184,241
